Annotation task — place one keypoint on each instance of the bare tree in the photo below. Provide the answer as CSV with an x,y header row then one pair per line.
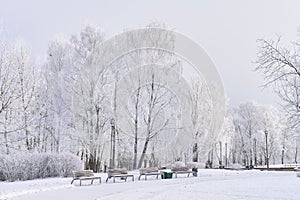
x,y
158,100
281,69
133,64
201,110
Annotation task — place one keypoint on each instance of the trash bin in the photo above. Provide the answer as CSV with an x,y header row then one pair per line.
x,y
166,175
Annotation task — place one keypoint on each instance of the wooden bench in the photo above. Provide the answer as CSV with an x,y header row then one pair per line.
x,y
84,175
181,170
118,173
150,171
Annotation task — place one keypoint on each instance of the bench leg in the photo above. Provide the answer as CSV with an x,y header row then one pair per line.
x,y
145,177
80,183
92,181
72,181
133,178
114,179
100,180
139,177
106,179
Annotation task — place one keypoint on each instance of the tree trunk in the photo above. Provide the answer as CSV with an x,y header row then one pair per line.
x,y
296,155
195,152
136,128
220,160
5,133
255,152
282,157
144,152
6,142
226,156
149,123
28,143
135,151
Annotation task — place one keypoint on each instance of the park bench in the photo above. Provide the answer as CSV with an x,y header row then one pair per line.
x,y
181,170
150,171
84,175
118,173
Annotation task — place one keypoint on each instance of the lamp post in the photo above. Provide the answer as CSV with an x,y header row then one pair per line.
x,y
267,152
112,143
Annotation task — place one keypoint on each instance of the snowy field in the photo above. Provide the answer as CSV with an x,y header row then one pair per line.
x,y
210,184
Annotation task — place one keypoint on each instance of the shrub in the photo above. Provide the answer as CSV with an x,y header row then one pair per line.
x,y
195,165
32,166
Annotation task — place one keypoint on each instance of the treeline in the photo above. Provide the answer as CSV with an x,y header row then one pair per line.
x,y
72,103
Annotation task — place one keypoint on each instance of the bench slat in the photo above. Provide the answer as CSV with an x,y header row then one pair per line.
x,y
120,176
150,174
84,175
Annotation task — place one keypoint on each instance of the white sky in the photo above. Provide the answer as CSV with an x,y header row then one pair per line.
x,y
227,30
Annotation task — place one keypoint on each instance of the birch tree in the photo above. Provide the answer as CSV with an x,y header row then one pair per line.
x,y
91,105
8,93
17,79
262,135
59,70
201,108
26,88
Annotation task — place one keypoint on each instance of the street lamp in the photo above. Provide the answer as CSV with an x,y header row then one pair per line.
x,y
112,143
267,152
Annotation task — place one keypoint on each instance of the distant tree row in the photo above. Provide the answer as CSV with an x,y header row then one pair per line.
x,y
255,134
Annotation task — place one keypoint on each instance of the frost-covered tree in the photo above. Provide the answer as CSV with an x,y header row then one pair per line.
x,y
201,112
225,146
17,112
58,71
247,123
139,76
91,105
261,135
8,94
26,89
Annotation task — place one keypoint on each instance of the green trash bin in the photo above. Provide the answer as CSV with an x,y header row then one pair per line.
x,y
166,175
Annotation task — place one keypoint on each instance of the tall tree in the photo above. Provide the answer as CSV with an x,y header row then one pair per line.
x,y
91,105
26,85
201,110
8,92
281,69
59,68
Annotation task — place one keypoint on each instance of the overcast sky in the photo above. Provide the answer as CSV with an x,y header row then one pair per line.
x,y
227,30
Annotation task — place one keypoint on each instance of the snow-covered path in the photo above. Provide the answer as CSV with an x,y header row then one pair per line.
x,y
210,184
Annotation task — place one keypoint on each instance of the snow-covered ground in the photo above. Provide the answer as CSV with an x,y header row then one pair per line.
x,y
210,184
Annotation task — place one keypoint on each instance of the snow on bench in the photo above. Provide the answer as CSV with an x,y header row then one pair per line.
x,y
118,173
150,171
181,170
85,175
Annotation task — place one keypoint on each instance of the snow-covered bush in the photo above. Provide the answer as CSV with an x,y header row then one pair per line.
x,y
175,164
32,166
237,166
198,165
179,164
